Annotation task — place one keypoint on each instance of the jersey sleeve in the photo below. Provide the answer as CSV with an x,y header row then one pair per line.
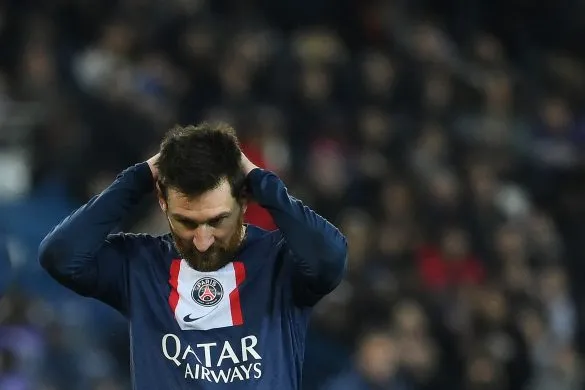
x,y
83,253
108,277
316,248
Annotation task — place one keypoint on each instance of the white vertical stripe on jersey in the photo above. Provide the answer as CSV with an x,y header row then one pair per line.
x,y
217,316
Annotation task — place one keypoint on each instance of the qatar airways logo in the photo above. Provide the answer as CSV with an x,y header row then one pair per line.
x,y
215,362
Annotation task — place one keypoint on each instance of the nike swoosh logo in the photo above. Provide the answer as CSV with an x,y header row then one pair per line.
x,y
188,318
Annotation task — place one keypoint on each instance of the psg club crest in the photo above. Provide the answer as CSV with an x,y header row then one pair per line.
x,y
207,292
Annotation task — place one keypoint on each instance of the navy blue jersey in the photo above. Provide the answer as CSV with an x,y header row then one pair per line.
x,y
241,327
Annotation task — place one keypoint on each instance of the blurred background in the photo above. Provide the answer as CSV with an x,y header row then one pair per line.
x,y
445,138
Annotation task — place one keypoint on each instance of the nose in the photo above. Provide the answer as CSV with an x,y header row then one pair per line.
x,y
203,238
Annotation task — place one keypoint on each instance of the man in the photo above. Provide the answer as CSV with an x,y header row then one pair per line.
x,y
216,303
376,366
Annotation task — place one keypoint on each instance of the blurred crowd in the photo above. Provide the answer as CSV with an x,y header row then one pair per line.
x,y
444,138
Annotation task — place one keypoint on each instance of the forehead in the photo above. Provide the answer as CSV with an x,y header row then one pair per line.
x,y
207,205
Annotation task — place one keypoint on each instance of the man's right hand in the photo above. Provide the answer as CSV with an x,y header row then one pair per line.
x,y
152,164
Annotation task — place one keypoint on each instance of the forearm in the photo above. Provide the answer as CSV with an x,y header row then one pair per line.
x,y
68,251
318,247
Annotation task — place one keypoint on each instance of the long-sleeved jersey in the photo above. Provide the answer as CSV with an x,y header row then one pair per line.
x,y
240,327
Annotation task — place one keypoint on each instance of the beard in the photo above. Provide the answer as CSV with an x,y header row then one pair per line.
x,y
214,258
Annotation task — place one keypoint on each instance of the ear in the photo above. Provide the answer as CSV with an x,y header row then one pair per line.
x,y
161,198
242,201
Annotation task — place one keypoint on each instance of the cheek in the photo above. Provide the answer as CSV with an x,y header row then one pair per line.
x,y
224,234
183,234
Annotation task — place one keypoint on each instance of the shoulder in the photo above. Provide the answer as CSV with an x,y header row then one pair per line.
x,y
133,237
262,247
144,252
258,236
136,241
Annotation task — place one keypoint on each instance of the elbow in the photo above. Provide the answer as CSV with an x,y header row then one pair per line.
x,y
56,256
333,266
51,253
338,263
324,266
57,259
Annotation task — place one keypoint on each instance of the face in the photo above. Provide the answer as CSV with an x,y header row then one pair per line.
x,y
207,229
455,244
377,357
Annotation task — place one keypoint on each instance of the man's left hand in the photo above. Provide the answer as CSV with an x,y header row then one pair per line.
x,y
247,165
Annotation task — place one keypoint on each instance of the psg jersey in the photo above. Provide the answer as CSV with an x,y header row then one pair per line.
x,y
240,327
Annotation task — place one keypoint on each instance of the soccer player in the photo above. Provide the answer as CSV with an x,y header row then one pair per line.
x,y
216,303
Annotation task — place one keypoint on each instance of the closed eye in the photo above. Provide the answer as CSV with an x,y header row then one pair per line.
x,y
193,224
188,223
216,222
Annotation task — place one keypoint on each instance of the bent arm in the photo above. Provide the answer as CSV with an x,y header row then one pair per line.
x,y
81,253
318,248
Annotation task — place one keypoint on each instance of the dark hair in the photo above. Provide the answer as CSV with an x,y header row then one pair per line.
x,y
195,159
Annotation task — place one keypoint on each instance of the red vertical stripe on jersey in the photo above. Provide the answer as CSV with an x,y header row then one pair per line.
x,y
235,306
174,282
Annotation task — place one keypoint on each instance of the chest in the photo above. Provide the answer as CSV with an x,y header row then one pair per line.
x,y
243,294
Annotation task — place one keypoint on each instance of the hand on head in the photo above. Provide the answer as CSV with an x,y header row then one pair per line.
x,y
152,164
247,165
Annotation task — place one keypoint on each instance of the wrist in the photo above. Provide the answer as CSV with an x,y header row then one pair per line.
x,y
152,165
247,167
